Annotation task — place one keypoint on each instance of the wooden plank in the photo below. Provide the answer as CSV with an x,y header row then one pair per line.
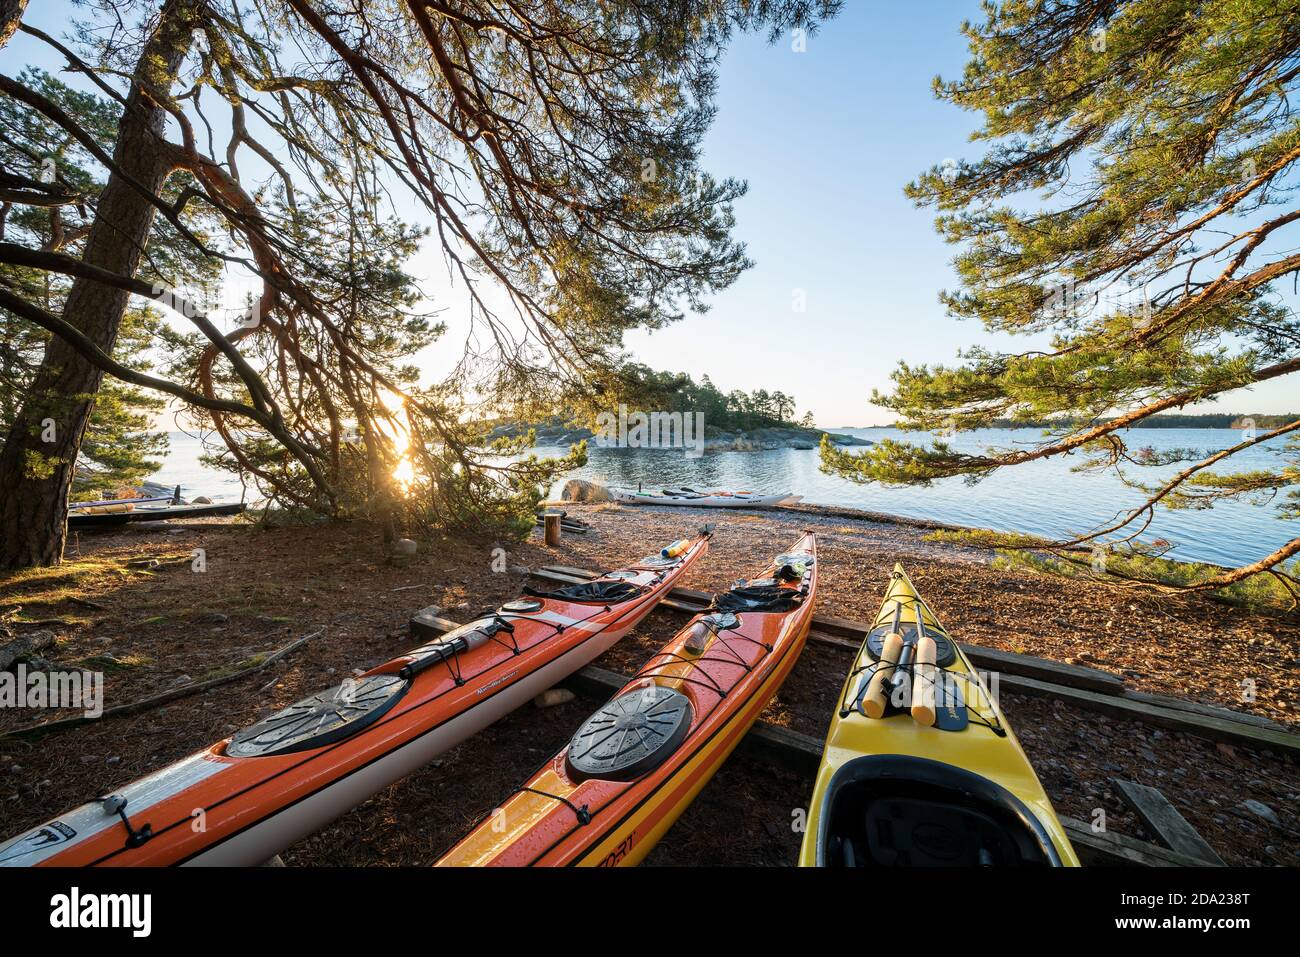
x,y
1108,849
685,597
1162,819
1199,707
1195,719
675,605
1073,676
848,635
1010,662
584,573
830,641
842,627
1205,726
673,601
426,624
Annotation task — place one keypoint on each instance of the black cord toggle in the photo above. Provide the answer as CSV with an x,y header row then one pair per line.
x,y
116,804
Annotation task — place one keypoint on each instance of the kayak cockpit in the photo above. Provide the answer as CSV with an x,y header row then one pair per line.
x,y
897,810
600,592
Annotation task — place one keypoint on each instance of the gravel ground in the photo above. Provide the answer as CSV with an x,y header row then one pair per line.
x,y
262,588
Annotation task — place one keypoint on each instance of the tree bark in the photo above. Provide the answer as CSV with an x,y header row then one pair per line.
x,y
40,452
11,14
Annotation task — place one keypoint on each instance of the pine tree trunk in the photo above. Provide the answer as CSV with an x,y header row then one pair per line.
x,y
40,451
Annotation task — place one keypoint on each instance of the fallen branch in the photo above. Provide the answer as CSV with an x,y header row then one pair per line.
x,y
144,704
42,623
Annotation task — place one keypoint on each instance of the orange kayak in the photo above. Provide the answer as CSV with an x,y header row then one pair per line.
x,y
244,799
637,763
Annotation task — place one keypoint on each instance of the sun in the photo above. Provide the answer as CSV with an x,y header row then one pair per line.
x,y
396,428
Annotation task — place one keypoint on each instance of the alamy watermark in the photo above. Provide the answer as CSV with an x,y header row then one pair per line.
x,y
249,317
83,690
651,430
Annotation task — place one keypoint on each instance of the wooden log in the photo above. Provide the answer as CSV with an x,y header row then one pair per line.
x,y
551,532
25,646
1162,819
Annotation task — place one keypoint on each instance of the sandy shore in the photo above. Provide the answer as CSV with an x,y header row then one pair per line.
x,y
264,587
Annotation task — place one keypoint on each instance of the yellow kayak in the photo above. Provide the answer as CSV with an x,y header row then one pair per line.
x,y
921,768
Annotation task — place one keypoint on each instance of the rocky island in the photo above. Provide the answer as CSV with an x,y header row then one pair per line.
x,y
761,439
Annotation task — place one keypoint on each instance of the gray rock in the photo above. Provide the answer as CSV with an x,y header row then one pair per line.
x,y
577,490
1262,810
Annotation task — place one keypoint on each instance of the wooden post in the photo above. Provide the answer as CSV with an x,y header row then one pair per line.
x,y
551,528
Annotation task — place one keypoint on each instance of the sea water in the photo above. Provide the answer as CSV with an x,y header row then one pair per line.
x,y
1044,497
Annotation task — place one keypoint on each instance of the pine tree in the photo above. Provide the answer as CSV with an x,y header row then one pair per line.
x,y
1129,212
121,446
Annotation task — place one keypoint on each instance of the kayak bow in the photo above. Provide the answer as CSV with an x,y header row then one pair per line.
x,y
636,764
246,798
936,776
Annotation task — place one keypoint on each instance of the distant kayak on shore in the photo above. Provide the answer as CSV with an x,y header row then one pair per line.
x,y
710,499
150,513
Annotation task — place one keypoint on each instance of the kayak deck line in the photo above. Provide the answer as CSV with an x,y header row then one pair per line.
x,y
289,774
800,753
1088,688
912,778
634,766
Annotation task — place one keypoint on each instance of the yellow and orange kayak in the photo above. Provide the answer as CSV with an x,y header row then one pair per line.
x,y
635,765
246,798
920,766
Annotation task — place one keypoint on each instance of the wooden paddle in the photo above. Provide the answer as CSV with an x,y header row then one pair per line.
x,y
874,698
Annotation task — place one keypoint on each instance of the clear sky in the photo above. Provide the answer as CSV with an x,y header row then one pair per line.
x,y
826,139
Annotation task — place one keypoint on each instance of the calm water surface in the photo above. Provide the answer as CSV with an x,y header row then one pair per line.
x,y
1044,497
